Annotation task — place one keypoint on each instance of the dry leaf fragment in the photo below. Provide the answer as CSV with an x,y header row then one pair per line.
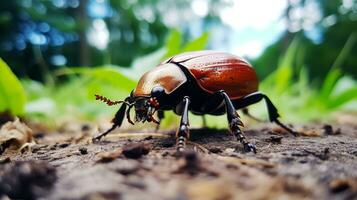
x,y
136,150
109,155
15,136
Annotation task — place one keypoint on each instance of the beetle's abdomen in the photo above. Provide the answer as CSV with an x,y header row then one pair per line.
x,y
169,76
222,71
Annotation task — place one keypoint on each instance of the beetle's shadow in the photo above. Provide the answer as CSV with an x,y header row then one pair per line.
x,y
205,133
198,135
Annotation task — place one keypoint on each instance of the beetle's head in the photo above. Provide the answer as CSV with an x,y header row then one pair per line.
x,y
146,106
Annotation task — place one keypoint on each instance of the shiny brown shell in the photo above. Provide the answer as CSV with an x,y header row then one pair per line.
x,y
215,71
167,75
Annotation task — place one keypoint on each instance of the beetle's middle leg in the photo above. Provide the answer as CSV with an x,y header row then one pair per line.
x,y
234,123
183,132
160,115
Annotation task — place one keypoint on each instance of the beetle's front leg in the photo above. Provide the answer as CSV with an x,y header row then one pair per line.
x,y
234,123
117,121
183,132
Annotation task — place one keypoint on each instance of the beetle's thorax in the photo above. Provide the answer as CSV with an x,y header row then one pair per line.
x,y
168,76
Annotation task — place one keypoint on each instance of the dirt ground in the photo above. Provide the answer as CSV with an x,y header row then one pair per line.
x,y
321,164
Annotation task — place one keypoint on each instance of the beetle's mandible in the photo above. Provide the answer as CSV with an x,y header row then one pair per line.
x,y
203,82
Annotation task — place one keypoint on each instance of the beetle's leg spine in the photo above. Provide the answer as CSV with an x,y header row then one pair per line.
x,y
234,123
181,143
183,132
234,128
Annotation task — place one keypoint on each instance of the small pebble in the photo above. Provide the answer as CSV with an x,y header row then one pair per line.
x,y
38,135
85,127
275,139
328,130
215,150
354,153
63,145
83,150
137,150
53,147
339,185
166,153
148,137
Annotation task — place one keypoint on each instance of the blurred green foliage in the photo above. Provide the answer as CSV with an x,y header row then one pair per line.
x,y
319,52
41,36
296,97
13,98
45,43
74,99
299,99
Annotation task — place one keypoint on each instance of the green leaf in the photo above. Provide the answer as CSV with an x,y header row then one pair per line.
x,y
284,73
114,77
329,83
12,94
108,74
173,43
143,64
283,78
343,98
198,43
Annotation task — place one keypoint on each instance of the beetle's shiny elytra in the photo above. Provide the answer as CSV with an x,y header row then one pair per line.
x,y
203,82
213,71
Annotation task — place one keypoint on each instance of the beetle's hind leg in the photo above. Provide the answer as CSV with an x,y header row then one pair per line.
x,y
234,123
183,132
272,110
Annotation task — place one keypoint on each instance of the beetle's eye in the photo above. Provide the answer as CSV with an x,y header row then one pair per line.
x,y
157,91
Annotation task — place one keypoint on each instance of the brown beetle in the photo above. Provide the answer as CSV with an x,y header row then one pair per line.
x,y
203,82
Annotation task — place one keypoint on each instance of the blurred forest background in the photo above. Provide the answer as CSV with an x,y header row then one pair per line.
x,y
62,52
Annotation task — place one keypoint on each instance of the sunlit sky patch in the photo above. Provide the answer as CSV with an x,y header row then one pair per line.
x,y
98,35
255,24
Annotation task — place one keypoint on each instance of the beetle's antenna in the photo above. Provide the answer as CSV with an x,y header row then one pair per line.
x,y
108,101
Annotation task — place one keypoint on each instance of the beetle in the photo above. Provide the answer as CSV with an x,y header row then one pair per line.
x,y
203,82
